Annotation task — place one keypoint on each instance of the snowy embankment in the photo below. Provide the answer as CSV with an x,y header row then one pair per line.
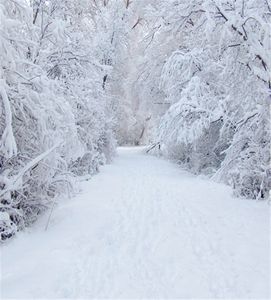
x,y
143,228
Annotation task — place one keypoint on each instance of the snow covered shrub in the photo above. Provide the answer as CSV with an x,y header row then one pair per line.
x,y
217,83
7,226
56,122
34,124
247,163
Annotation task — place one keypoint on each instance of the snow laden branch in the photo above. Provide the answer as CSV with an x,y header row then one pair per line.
x,y
16,181
8,144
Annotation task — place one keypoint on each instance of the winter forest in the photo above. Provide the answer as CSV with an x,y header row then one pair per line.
x,y
188,80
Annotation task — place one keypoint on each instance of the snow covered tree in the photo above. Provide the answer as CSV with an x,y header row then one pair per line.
x,y
56,119
218,85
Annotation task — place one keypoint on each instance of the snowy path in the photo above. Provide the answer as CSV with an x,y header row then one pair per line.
x,y
143,228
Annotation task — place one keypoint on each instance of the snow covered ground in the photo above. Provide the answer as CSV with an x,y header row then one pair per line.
x,y
143,228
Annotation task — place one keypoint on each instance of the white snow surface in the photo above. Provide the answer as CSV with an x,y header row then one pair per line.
x,y
143,228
